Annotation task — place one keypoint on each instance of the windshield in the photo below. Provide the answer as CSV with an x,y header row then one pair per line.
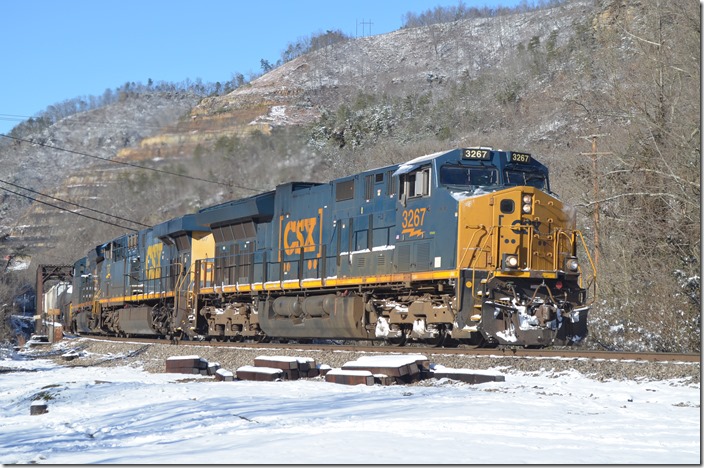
x,y
468,175
533,179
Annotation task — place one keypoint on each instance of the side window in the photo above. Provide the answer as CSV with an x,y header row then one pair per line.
x,y
416,184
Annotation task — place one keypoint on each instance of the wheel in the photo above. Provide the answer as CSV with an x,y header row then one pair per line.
x,y
399,341
484,343
450,342
439,340
262,338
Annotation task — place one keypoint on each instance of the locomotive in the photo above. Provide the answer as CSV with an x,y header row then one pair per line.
x,y
462,246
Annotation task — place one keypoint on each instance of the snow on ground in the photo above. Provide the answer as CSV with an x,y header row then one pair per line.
x,y
126,415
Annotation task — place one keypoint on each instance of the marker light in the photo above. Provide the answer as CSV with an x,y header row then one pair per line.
x,y
527,203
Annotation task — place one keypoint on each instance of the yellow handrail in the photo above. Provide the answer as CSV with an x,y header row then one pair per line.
x,y
591,262
480,228
475,258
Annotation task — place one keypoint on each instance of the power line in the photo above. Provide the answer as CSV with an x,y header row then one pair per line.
x,y
14,118
75,204
68,211
110,160
67,121
124,163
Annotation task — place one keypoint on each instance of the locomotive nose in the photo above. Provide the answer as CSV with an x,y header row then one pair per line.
x,y
495,229
517,229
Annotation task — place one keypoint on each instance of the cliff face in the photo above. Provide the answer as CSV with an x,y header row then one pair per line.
x,y
399,63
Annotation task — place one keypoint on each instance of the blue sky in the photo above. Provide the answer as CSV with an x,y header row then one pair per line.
x,y
53,50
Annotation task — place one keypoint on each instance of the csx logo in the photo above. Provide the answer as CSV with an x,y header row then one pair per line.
x,y
299,233
154,260
521,223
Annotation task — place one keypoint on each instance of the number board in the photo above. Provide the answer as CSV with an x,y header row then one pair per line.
x,y
523,158
476,154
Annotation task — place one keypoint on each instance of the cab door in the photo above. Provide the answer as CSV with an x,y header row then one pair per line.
x,y
414,249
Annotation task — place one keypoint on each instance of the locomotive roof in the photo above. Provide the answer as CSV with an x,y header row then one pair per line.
x,y
413,163
186,223
453,154
499,157
259,206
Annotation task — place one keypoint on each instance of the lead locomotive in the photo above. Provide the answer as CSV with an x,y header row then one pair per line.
x,y
468,245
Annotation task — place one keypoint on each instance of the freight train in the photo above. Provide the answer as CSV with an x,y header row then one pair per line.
x,y
462,246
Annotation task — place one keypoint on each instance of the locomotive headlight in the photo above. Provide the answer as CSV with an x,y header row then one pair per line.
x,y
510,261
527,203
571,264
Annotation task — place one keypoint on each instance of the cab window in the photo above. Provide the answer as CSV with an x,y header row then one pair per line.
x,y
533,179
416,184
468,175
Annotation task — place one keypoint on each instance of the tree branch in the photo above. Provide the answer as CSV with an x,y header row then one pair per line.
x,y
640,38
679,179
634,194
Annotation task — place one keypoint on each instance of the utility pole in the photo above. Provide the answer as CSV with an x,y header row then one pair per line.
x,y
595,177
363,23
370,26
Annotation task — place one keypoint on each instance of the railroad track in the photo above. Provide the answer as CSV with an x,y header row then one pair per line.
x,y
548,353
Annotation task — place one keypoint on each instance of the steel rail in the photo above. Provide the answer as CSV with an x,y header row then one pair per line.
x,y
503,352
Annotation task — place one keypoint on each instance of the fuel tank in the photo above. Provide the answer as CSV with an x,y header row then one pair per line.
x,y
136,321
325,316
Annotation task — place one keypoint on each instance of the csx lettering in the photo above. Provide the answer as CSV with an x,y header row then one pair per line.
x,y
299,233
412,220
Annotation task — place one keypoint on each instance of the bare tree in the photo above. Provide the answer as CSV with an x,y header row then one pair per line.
x,y
645,91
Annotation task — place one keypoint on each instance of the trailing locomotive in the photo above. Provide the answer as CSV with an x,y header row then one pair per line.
x,y
468,245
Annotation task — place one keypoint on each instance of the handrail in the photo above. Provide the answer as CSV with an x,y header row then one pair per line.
x,y
560,233
181,277
481,227
569,235
476,258
591,262
586,251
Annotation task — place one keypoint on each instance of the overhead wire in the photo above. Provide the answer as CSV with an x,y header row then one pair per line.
x,y
13,117
75,204
125,163
67,121
67,210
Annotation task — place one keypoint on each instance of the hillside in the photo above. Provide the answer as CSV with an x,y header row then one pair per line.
x,y
542,81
